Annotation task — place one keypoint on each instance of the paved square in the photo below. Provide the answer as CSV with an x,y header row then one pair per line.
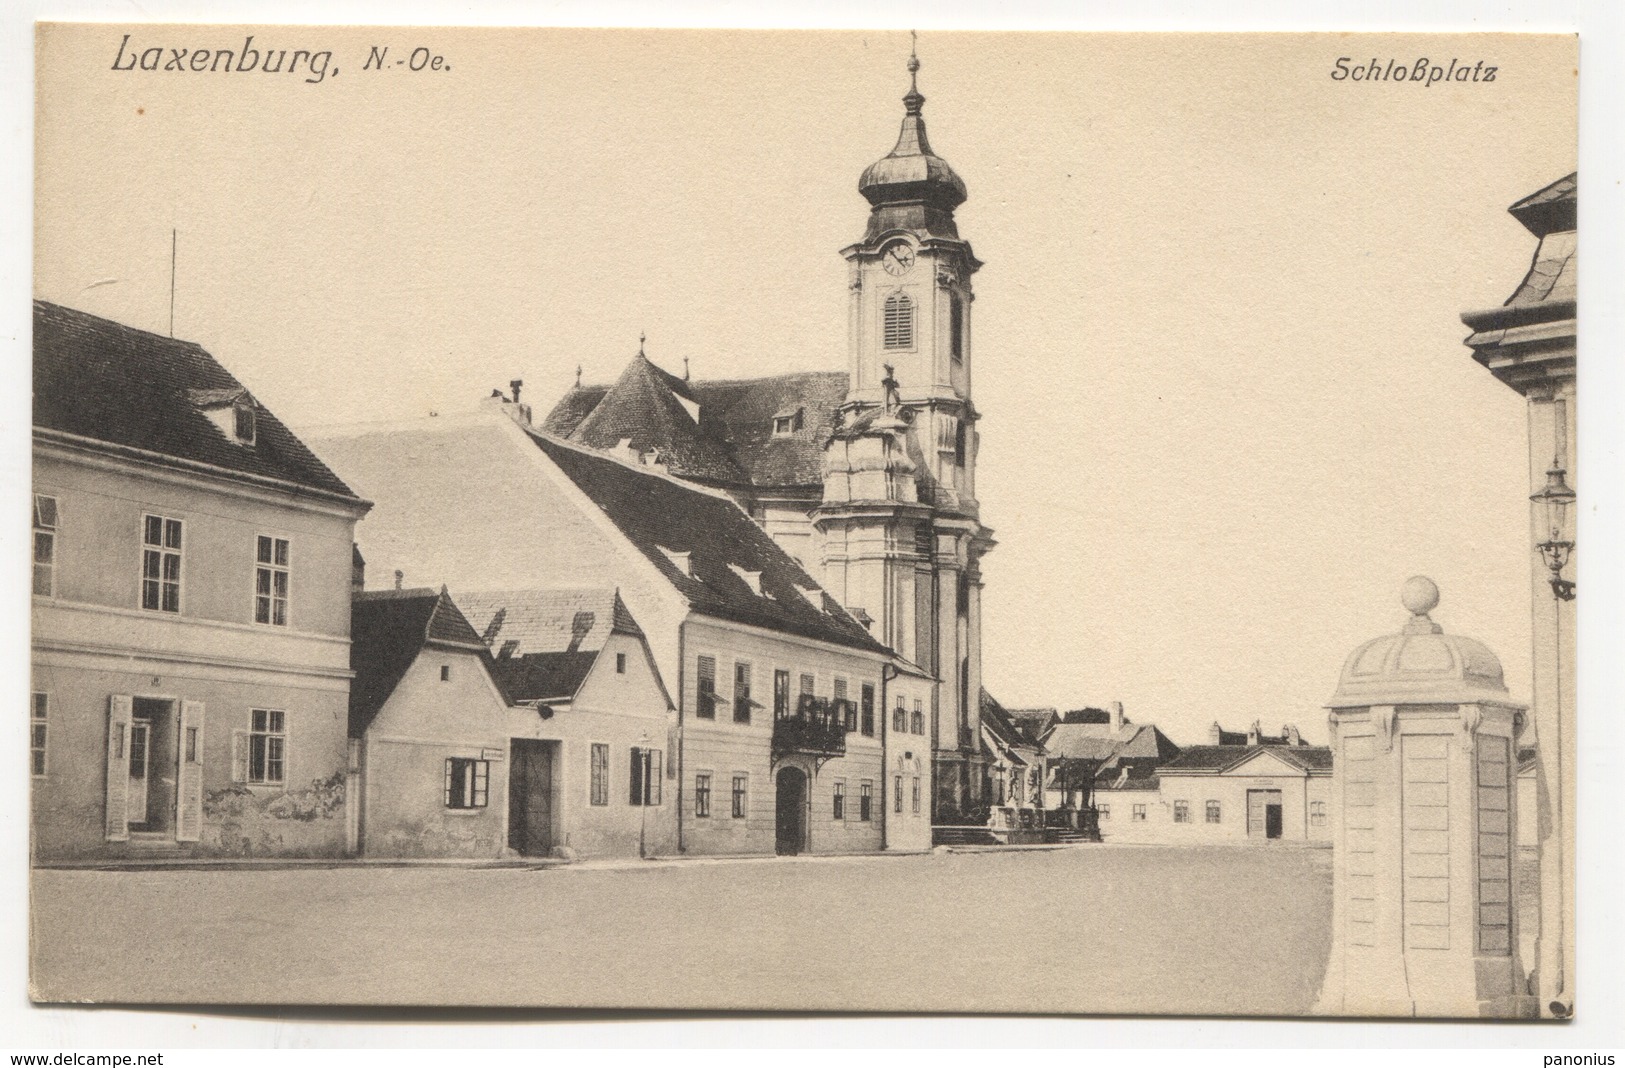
x,y
1088,929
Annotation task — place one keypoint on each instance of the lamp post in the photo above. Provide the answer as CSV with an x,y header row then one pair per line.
x,y
1555,497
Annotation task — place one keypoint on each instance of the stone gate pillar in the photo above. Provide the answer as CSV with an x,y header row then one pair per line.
x,y
1424,914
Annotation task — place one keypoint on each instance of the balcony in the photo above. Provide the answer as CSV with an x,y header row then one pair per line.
x,y
817,727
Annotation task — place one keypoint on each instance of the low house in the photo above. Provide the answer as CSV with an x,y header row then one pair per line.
x,y
429,730
1016,773
1094,751
1246,792
592,725
191,607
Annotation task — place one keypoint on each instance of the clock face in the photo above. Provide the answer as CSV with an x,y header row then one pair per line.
x,y
898,258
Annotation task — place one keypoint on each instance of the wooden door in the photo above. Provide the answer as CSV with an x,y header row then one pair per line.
x,y
530,797
1255,813
790,804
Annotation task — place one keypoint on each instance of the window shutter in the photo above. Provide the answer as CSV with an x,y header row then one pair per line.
x,y
189,823
119,710
636,792
654,776
239,756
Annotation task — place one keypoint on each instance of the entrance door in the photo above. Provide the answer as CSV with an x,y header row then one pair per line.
x,y
530,797
791,809
140,762
1263,813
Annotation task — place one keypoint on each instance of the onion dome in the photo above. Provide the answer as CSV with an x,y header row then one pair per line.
x,y
912,175
1421,664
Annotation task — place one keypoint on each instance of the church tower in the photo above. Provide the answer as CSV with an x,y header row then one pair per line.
x,y
900,529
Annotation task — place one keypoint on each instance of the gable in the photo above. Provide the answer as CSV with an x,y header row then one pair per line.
x,y
1264,761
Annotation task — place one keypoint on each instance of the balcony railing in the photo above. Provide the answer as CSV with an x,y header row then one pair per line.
x,y
817,726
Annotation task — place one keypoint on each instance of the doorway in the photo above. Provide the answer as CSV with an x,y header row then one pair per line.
x,y
530,797
150,802
1264,814
790,803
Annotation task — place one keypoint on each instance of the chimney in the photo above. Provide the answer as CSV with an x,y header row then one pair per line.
x,y
358,569
515,385
1215,734
400,576
1292,737
1117,715
1252,733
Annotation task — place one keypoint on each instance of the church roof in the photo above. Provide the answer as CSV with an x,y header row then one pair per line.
x,y
734,569
732,443
1551,209
645,409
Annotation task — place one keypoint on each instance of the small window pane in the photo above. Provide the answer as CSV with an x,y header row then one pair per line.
x,y
263,550
154,534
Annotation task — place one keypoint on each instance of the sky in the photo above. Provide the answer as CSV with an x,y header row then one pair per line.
x,y
1217,347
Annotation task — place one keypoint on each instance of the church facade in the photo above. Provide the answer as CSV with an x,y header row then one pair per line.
x,y
866,477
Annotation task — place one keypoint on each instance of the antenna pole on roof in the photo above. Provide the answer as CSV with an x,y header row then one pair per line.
x,y
173,241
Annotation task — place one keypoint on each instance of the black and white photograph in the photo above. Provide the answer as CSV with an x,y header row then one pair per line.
x,y
848,522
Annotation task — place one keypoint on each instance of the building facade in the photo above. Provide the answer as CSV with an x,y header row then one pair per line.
x,y
771,678
868,478
191,608
1529,343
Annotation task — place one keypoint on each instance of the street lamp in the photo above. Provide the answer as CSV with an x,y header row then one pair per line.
x,y
1555,497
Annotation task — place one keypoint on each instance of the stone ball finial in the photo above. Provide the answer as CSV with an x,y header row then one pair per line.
x,y
1419,595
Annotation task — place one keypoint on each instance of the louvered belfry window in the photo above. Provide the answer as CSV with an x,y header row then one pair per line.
x,y
899,326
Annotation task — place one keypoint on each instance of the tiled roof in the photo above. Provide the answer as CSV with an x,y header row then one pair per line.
x,y
1551,209
643,409
660,515
388,628
1219,758
547,621
98,379
736,417
543,676
1553,275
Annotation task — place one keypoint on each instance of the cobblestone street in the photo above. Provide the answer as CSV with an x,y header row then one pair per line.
x,y
1086,929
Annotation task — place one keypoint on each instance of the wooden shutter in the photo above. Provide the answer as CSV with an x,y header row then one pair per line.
x,y
636,792
119,710
239,756
189,786
653,796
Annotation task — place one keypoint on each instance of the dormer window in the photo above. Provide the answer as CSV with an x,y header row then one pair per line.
x,y
898,330
243,422
788,422
753,579
231,410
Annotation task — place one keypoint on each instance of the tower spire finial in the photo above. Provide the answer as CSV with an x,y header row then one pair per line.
x,y
913,100
642,337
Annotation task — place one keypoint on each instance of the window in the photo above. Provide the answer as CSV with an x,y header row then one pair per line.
x,y
702,795
445,672
600,774
897,793
899,717
868,722
1317,813
739,796
645,779
36,733
781,694
1104,810
1213,812
161,564
915,795
917,720
741,693
808,685
898,330
267,745
44,545
705,706
1182,812
956,327
271,581
243,423
866,800
787,423
844,712
467,782
840,800
1139,813
961,436
620,663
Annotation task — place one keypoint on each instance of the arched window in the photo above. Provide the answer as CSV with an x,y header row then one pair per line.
x,y
956,328
899,327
